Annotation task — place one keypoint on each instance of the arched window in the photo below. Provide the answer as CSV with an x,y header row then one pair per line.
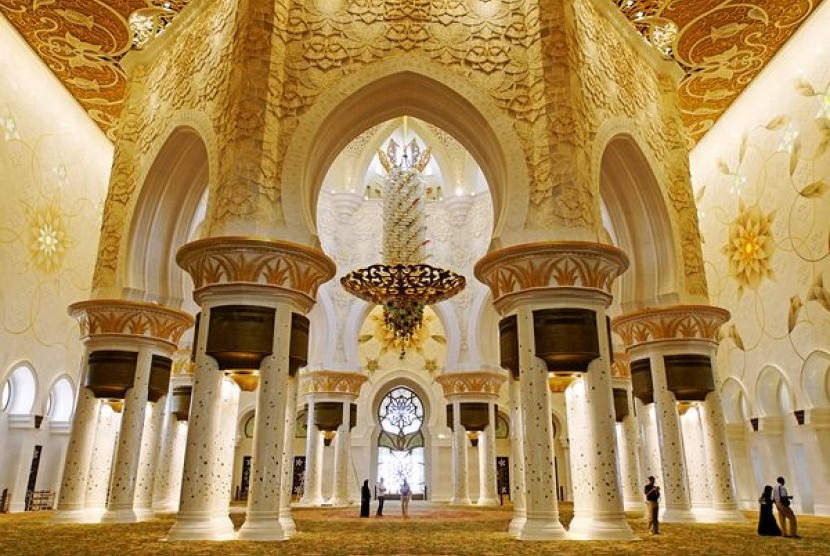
x,y
401,441
7,395
248,429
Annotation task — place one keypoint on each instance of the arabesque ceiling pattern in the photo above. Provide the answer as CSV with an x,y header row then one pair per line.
x,y
720,44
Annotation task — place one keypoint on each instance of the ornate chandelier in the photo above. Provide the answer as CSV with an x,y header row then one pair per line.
x,y
403,283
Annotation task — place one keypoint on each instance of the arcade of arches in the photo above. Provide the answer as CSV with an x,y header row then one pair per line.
x,y
635,304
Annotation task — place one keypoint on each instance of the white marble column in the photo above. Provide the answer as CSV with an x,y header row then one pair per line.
x,y
488,485
161,484
724,506
100,469
562,453
262,520
517,460
148,462
201,490
286,519
675,489
342,457
598,509
541,505
227,445
696,465
817,428
78,456
121,501
460,459
629,462
313,484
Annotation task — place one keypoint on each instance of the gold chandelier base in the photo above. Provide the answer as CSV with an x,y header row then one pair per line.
x,y
404,290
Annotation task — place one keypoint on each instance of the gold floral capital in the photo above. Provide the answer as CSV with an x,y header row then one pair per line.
x,y
331,382
676,322
565,264
289,266
121,317
621,366
479,384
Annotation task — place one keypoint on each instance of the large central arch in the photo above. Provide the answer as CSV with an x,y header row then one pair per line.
x,y
397,87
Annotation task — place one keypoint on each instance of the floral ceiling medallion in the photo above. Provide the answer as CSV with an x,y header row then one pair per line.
x,y
750,247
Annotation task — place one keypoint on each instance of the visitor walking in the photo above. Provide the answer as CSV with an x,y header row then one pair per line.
x,y
782,504
365,499
406,496
653,501
766,520
380,493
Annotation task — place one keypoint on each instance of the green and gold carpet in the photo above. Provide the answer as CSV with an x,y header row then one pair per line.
x,y
431,530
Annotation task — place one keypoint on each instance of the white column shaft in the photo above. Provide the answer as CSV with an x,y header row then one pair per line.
x,y
120,505
286,519
100,470
719,470
342,456
487,484
675,489
460,459
164,469
517,460
629,462
148,461
201,488
262,521
313,487
541,506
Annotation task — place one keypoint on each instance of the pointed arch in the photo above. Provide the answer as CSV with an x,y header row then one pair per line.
x,y
395,87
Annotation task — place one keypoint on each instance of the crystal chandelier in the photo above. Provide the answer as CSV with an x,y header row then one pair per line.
x,y
403,283
647,16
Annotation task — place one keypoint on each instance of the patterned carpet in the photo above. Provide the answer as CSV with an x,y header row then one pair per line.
x,y
432,530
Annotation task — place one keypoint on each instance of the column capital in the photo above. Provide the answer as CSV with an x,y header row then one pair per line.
x,y
122,318
621,366
229,262
328,383
531,267
670,323
464,385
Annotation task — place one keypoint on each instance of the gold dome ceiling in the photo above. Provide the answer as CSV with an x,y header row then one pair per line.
x,y
721,45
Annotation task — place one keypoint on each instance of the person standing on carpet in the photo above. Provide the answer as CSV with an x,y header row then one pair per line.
x,y
766,521
653,501
380,494
782,504
406,496
365,499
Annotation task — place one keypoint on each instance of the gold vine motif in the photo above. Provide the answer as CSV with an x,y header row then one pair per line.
x,y
474,384
331,382
678,322
549,265
228,260
130,318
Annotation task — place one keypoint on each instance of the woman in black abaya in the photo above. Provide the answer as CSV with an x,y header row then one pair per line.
x,y
366,499
767,525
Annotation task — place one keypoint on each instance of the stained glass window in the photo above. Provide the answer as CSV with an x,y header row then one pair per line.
x,y
401,441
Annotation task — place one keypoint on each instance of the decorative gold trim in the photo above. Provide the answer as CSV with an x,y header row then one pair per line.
x,y
559,382
572,264
621,366
472,384
239,260
331,382
123,317
675,322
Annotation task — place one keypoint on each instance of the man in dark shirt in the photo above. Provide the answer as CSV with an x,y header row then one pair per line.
x,y
653,501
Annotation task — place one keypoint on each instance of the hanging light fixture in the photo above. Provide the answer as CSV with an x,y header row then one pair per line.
x,y
403,284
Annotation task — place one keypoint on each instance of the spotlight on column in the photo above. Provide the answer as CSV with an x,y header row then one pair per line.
x,y
559,381
683,407
115,404
246,379
328,436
